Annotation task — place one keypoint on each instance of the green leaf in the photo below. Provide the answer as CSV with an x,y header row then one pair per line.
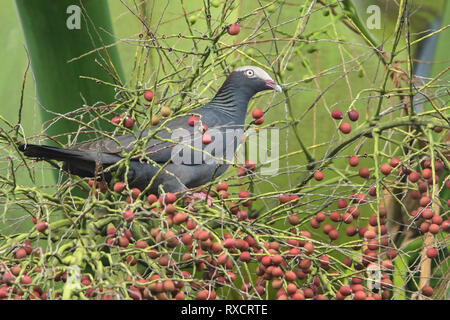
x,y
51,44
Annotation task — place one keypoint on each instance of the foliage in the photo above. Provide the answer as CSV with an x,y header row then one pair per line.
x,y
292,236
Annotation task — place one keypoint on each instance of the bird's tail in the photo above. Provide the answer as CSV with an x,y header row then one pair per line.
x,y
47,152
81,163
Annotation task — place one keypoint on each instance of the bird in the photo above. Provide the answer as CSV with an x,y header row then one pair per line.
x,y
172,154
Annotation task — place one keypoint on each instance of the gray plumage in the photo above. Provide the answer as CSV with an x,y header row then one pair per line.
x,y
227,110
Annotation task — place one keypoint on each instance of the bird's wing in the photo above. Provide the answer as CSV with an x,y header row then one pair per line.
x,y
158,148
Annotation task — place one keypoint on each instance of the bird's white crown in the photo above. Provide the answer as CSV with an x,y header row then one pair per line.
x,y
260,73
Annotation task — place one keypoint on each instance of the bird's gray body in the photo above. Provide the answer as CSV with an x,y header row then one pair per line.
x,y
154,162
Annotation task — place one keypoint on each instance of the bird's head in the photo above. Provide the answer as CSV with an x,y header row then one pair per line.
x,y
239,87
253,79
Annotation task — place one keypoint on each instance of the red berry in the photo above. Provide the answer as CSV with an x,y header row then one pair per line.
x,y
414,176
245,256
234,29
186,239
437,219
372,244
445,225
387,264
167,198
354,211
119,187
148,95
394,162
353,115
345,127
283,198
353,161
293,219
257,113
347,217
424,226
309,247
432,253
351,231
41,226
434,228
259,120
293,198
244,194
427,173
364,173
203,128
290,276
427,213
206,139
342,203
318,175
152,199
337,114
345,290
320,217
192,121
360,295
21,253
424,201
250,165
327,228
391,253
116,120
427,291
128,215
26,279
439,166
335,216
127,233
128,123
141,244
222,186
314,223
242,215
241,172
370,234
135,192
324,261
124,242
333,234
28,247
385,169
359,198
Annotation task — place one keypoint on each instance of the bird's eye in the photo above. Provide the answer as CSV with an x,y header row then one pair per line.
x,y
249,73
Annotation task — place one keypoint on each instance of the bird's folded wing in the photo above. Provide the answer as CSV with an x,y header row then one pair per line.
x,y
158,147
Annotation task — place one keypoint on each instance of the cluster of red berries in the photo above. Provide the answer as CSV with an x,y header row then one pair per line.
x,y
345,127
258,115
124,120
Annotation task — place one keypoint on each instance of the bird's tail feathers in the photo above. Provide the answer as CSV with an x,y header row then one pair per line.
x,y
48,152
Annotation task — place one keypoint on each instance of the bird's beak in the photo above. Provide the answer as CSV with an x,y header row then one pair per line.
x,y
272,85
